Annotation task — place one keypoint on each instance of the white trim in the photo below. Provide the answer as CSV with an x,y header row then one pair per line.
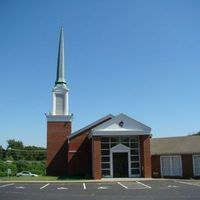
x,y
120,148
170,157
119,133
91,125
193,163
59,118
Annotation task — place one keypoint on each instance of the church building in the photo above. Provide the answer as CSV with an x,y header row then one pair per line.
x,y
113,146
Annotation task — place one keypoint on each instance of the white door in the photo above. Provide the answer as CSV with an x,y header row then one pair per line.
x,y
171,166
196,165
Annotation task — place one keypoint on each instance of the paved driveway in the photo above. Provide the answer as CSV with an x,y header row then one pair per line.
x,y
129,190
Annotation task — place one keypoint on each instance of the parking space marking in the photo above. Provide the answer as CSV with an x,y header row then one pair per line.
x,y
103,188
2,186
62,188
44,186
188,183
173,186
84,186
122,185
20,187
147,186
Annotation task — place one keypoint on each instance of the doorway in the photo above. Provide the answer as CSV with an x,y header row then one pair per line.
x,y
120,164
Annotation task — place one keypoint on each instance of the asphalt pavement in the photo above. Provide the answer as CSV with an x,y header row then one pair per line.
x,y
126,190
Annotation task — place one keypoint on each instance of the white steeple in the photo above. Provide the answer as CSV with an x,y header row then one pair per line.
x,y
60,78
60,109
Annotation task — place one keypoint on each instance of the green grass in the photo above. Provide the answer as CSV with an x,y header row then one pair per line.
x,y
40,178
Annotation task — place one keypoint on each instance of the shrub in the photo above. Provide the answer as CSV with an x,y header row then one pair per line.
x,y
4,166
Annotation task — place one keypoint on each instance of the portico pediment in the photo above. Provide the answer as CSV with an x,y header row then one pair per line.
x,y
121,125
120,148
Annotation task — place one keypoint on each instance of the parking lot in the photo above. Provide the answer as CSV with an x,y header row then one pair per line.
x,y
144,189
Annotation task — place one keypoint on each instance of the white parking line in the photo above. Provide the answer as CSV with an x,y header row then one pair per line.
x,y
147,186
122,185
2,186
62,188
20,187
44,186
187,183
84,186
103,188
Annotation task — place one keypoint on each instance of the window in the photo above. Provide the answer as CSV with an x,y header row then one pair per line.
x,y
105,165
105,152
196,165
105,146
106,173
171,165
105,139
130,141
105,159
135,158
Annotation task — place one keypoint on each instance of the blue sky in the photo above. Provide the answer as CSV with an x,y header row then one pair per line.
x,y
141,58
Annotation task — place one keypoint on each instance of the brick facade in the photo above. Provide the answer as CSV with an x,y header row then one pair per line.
x,y
187,164
145,156
79,155
57,147
96,157
155,164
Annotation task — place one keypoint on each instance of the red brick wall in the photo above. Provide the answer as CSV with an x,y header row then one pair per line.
x,y
187,166
79,155
57,147
80,159
155,164
145,156
96,157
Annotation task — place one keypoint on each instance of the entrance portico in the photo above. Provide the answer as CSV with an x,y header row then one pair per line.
x,y
121,148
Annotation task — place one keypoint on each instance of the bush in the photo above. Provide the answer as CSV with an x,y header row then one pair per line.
x,y
4,166
37,167
2,169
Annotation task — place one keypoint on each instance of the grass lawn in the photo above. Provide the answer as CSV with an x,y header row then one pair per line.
x,y
40,178
22,178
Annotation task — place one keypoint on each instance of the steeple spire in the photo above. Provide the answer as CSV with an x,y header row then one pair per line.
x,y
60,78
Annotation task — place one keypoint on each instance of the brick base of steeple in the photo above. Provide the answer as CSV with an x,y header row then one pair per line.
x,y
57,148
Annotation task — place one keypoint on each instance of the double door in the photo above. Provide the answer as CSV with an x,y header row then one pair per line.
x,y
120,165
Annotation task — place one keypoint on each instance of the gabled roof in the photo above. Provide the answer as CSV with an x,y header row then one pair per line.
x,y
121,125
92,125
175,145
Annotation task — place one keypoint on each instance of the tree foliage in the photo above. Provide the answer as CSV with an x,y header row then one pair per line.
x,y
198,133
17,151
19,157
14,144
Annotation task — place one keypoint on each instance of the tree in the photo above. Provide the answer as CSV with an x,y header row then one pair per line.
x,y
198,133
2,153
14,144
